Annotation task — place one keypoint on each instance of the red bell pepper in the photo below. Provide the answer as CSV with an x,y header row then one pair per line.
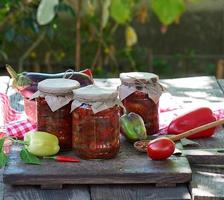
x,y
192,120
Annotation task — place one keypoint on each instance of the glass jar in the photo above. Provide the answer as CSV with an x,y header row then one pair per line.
x,y
30,108
95,123
54,98
139,93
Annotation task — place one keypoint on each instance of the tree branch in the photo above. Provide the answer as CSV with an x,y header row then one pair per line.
x,y
78,36
30,49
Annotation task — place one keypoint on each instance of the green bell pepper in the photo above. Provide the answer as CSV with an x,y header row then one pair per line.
x,y
133,127
41,143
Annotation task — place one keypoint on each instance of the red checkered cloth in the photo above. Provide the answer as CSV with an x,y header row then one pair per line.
x,y
7,113
12,122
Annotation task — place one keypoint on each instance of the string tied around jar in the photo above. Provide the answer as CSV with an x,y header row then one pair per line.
x,y
57,92
68,71
98,98
151,87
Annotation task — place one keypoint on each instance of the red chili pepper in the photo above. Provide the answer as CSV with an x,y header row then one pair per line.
x,y
64,158
192,120
88,72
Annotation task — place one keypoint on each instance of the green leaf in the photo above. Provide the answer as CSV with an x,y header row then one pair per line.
x,y
168,10
121,10
2,140
29,158
46,11
3,156
3,159
105,12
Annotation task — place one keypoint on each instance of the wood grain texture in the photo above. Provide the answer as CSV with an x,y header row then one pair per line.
x,y
200,91
31,192
140,192
129,166
205,156
197,90
221,84
207,183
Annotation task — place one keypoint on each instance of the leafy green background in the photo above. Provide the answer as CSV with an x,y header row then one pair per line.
x,y
49,42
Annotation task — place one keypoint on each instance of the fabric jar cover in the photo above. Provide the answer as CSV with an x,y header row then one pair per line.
x,y
140,81
98,98
57,92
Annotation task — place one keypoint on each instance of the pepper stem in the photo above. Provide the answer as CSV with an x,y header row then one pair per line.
x,y
50,157
11,71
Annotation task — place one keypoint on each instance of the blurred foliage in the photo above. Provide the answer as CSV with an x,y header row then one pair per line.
x,y
49,31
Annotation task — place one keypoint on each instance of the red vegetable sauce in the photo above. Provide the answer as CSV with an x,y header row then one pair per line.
x,y
140,94
58,123
54,98
96,131
138,102
96,135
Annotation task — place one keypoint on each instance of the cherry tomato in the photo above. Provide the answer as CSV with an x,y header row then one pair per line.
x,y
160,148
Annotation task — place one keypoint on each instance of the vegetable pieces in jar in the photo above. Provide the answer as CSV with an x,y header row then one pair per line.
x,y
95,121
54,98
139,93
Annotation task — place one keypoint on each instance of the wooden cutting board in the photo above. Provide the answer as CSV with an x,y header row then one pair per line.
x,y
129,167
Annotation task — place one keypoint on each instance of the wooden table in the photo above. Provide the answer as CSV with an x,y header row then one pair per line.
x,y
208,178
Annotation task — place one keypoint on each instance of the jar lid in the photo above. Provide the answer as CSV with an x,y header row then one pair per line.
x,y
95,93
58,86
131,77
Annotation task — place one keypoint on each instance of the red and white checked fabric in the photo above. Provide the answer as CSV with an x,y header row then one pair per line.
x,y
12,122
7,113
19,128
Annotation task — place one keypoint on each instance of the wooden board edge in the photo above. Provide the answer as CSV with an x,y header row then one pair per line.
x,y
16,179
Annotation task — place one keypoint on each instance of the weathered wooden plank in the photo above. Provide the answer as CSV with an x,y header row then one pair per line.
x,y
207,183
129,166
221,84
192,94
29,192
140,192
205,156
4,83
199,91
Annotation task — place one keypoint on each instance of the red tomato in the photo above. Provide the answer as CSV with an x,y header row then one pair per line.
x,y
160,148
